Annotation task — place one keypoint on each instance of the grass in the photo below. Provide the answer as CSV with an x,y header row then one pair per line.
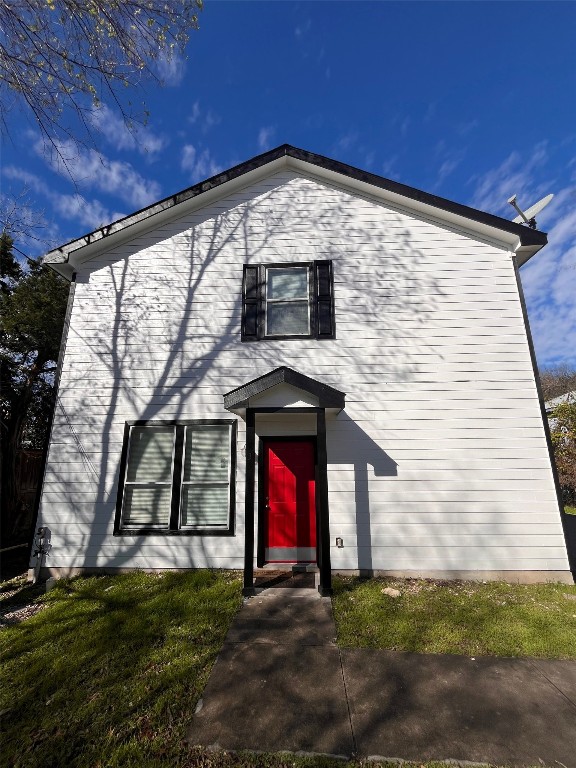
x,y
466,618
109,672
570,510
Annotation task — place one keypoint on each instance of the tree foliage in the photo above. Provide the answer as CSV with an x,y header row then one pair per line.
x,y
58,56
563,434
557,381
32,309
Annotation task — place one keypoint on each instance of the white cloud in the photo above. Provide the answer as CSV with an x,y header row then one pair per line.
x,y
30,180
549,278
201,165
513,176
89,168
465,128
206,119
346,142
210,120
447,167
264,137
302,29
549,282
195,114
450,160
122,136
389,168
188,159
90,213
431,111
369,159
171,69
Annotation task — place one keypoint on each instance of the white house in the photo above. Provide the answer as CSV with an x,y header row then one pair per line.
x,y
297,361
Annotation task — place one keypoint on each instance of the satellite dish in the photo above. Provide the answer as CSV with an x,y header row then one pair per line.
x,y
529,216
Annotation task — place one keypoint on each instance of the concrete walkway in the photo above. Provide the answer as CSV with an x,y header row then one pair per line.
x,y
281,684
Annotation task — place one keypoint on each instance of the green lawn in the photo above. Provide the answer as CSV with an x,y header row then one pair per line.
x,y
108,674
467,618
570,510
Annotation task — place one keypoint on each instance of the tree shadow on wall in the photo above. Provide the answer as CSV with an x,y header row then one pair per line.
x,y
162,336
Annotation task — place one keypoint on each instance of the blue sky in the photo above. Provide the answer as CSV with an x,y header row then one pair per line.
x,y
473,101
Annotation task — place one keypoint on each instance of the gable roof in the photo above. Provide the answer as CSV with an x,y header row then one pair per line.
x,y
520,238
328,397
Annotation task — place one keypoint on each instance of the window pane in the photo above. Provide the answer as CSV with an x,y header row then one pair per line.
x,y
150,455
207,454
205,505
290,283
144,507
287,319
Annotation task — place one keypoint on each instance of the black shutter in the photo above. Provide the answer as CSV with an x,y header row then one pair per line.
x,y
250,302
324,284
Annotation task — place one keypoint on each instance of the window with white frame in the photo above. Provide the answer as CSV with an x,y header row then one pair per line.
x,y
177,477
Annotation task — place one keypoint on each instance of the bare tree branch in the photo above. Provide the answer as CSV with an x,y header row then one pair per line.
x,y
62,58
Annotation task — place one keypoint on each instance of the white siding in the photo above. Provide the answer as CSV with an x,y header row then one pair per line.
x,y
439,460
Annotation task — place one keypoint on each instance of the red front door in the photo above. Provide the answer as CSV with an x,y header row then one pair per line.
x,y
290,501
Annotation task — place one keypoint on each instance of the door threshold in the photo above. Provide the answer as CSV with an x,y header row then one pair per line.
x,y
287,579
294,567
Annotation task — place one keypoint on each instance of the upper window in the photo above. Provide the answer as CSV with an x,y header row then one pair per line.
x,y
177,478
288,301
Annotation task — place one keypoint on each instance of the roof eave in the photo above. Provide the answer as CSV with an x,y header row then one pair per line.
x,y
516,237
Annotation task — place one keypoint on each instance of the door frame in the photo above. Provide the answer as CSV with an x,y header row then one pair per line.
x,y
262,517
322,504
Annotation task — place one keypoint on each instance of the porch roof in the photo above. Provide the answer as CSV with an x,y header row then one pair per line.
x,y
328,397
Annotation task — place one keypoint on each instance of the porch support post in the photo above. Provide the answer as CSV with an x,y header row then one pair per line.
x,y
325,587
248,588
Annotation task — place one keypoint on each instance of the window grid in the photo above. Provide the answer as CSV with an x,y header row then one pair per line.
x,y
132,485
303,299
176,482
185,484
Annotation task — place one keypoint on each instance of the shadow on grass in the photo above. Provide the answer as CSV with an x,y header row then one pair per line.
x,y
111,670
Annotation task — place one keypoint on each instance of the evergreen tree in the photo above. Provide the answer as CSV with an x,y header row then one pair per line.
x,y
32,310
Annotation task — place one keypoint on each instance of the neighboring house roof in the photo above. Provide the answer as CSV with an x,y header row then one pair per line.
x,y
567,397
516,237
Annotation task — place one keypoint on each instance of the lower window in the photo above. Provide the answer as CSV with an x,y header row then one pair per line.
x,y
177,478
